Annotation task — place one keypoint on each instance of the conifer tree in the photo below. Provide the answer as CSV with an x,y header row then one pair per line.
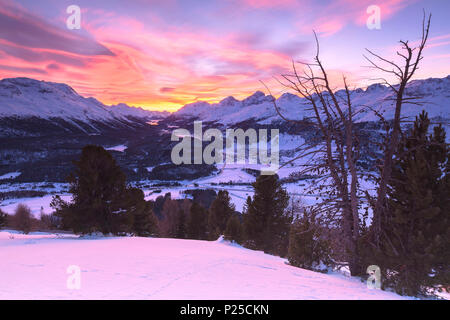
x,y
181,224
101,200
233,230
145,223
197,222
266,221
249,225
169,222
415,251
308,248
3,217
219,213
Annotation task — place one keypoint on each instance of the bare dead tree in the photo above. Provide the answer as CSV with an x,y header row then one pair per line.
x,y
402,73
335,156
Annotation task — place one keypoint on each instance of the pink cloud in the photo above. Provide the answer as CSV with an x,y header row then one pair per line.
x,y
339,13
154,62
19,27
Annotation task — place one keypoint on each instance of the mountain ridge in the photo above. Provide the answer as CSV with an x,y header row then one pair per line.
x,y
26,97
434,94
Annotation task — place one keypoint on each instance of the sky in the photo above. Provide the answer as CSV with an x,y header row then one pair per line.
x,y
161,55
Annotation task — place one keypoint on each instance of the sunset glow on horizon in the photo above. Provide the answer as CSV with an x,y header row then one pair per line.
x,y
161,55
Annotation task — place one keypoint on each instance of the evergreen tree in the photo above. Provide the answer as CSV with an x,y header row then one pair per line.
x,y
219,213
197,222
308,248
181,225
415,250
266,221
49,221
247,204
158,205
145,223
3,219
233,230
101,200
183,213
250,225
171,218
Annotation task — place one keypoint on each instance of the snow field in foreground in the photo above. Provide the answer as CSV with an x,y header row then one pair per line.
x,y
35,267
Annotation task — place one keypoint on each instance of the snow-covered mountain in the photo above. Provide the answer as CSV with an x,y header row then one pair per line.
x,y
434,95
24,97
230,110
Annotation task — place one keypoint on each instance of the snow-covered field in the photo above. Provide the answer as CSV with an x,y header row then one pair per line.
x,y
118,148
10,175
37,205
35,267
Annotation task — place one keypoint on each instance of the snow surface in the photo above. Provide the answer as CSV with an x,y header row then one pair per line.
x,y
37,205
35,267
118,148
10,175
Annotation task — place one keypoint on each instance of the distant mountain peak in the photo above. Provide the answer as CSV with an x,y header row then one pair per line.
x,y
26,97
259,107
256,98
44,86
376,87
229,101
288,96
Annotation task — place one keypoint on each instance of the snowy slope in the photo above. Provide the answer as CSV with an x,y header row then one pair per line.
x,y
36,204
35,267
434,94
24,97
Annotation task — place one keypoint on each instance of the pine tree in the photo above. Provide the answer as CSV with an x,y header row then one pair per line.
x,y
250,225
3,219
308,248
171,218
220,211
145,223
233,229
416,239
181,224
49,222
101,200
158,205
197,222
266,219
